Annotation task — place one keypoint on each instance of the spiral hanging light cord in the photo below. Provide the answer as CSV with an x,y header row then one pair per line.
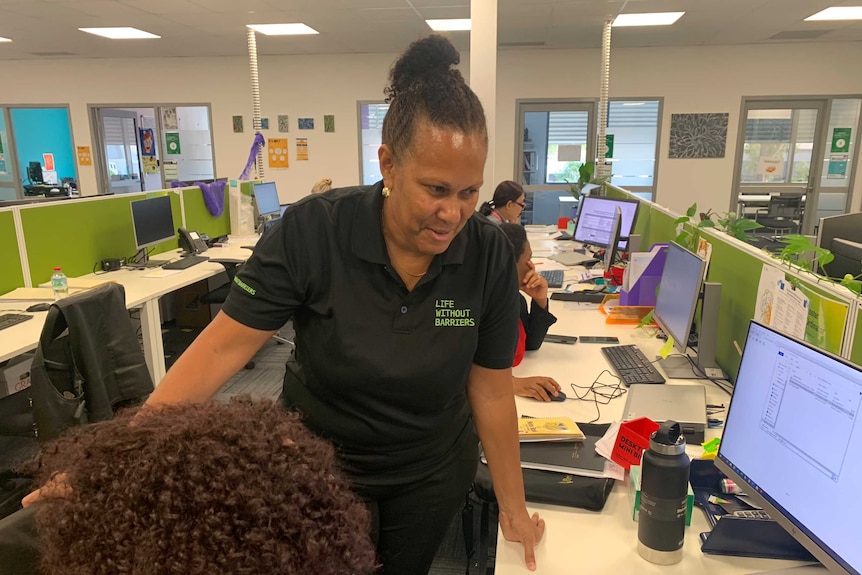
x,y
255,96
602,170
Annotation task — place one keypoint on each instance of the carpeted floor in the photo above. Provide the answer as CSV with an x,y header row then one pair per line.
x,y
264,381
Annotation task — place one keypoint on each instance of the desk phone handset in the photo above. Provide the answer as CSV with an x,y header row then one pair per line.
x,y
191,242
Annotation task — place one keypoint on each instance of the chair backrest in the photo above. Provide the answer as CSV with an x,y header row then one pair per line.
x,y
785,206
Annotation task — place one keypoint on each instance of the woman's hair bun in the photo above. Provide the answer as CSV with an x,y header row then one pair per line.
x,y
424,58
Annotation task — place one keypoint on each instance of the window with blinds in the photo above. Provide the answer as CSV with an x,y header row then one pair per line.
x,y
121,147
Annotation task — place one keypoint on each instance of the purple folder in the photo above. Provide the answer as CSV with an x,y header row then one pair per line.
x,y
643,292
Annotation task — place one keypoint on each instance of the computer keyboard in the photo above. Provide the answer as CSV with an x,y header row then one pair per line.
x,y
185,262
10,319
554,277
632,365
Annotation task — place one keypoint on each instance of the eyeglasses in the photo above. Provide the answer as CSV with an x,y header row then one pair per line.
x,y
522,205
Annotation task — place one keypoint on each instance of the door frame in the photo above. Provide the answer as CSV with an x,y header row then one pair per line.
x,y
95,132
103,176
821,136
11,154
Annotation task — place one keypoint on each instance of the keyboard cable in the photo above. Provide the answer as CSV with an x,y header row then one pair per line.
x,y
606,391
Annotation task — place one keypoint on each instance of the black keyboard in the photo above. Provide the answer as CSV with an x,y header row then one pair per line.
x,y
185,262
10,319
631,364
554,277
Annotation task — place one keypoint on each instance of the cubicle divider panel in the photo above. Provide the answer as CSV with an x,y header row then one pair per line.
x,y
11,274
198,217
855,354
77,235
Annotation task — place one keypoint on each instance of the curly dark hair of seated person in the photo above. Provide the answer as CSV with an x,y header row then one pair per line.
x,y
517,237
426,86
505,192
236,488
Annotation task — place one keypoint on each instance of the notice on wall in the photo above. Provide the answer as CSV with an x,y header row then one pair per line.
x,y
302,149
837,169
779,304
568,153
150,164
85,158
770,167
277,152
172,143
841,140
169,119
172,171
2,164
48,162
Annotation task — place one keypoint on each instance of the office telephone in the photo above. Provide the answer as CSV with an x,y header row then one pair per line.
x,y
191,242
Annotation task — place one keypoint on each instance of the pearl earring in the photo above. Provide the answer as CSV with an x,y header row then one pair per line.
x,y
385,191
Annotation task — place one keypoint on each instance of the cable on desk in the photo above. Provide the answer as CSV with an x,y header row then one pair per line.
x,y
606,391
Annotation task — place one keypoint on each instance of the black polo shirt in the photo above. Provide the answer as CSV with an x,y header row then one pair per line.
x,y
379,370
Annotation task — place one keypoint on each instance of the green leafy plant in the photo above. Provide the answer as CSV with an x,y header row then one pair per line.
x,y
728,222
586,175
797,250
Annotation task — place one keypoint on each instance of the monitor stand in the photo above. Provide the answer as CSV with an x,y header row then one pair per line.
x,y
143,261
681,367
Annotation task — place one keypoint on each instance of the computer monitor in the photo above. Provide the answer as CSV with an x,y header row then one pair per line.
x,y
34,172
152,222
595,216
283,208
266,197
613,239
675,307
842,235
792,441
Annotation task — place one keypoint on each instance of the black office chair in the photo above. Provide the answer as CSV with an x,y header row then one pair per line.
x,y
88,364
783,215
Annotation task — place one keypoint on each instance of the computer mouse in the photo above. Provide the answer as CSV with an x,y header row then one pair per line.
x,y
39,307
559,397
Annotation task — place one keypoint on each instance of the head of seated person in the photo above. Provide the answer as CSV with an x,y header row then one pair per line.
x,y
523,251
207,488
506,205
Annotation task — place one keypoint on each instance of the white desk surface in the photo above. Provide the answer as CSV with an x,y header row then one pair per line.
x,y
580,541
23,337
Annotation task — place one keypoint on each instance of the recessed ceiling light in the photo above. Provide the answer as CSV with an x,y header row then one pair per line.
x,y
2,39
839,13
449,24
648,19
294,29
122,33
633,103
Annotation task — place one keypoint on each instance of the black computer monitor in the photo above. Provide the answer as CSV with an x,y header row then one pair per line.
x,y
595,216
613,239
266,197
34,173
678,293
152,221
792,440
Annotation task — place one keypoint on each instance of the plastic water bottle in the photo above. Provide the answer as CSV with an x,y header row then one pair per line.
x,y
664,491
59,284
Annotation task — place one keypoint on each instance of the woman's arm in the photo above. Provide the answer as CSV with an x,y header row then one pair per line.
x,y
490,394
213,357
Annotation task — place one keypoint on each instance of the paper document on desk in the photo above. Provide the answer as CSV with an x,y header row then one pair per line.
x,y
160,273
29,294
779,304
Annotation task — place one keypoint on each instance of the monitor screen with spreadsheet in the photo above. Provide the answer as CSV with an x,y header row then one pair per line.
x,y
793,441
595,215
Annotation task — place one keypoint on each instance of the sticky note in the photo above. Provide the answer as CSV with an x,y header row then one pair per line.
x,y
666,348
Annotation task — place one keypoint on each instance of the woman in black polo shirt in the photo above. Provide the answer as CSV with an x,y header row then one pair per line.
x,y
405,313
534,323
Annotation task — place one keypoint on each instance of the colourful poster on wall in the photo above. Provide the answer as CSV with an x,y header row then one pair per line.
x,y
826,320
609,142
151,164
172,143
148,142
841,140
837,169
48,162
277,152
85,158
302,149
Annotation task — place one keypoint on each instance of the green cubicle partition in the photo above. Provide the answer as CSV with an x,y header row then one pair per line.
x,y
11,273
198,217
855,353
76,235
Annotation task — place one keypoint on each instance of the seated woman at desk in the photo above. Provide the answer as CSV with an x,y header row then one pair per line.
x,y
506,205
534,323
241,487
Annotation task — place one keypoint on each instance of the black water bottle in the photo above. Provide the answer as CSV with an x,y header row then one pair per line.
x,y
664,490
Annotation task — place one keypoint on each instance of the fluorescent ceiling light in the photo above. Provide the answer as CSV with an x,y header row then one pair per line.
x,y
649,19
119,33
633,103
449,25
294,29
838,13
2,39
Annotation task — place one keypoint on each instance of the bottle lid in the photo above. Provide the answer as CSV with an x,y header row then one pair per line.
x,y
57,269
668,439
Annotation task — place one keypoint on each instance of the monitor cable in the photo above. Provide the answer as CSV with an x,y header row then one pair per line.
x,y
599,393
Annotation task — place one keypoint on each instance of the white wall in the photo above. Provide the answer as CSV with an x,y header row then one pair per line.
x,y
691,79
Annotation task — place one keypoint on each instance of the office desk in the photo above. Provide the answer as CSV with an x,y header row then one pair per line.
x,y
23,337
580,541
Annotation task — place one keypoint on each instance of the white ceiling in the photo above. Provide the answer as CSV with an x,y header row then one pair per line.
x,y
194,28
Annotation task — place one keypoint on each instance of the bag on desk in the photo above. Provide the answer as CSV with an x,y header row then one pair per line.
x,y
589,493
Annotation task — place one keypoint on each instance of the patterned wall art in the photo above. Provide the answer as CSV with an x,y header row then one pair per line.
x,y
698,135
329,123
283,123
306,123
